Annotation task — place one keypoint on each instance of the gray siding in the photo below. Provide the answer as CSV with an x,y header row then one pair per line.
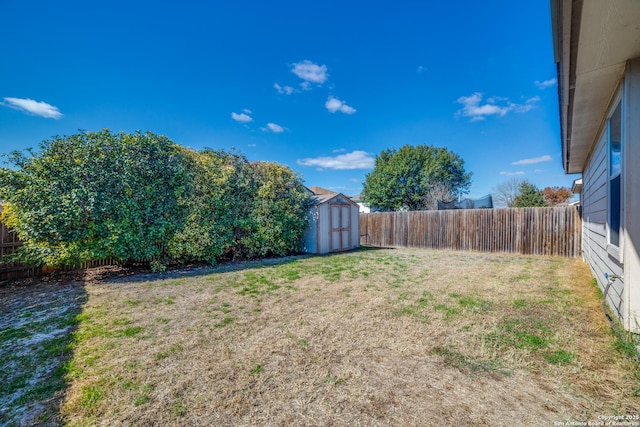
x,y
594,217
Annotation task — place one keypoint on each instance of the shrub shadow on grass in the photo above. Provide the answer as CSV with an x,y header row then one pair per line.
x,y
130,275
37,323
125,274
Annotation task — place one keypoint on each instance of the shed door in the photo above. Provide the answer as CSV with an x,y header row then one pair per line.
x,y
340,227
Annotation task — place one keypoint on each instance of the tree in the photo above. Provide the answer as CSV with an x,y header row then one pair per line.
x,y
408,176
555,196
438,192
504,194
529,196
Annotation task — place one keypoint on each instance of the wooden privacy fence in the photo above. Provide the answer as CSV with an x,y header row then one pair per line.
x,y
8,243
530,231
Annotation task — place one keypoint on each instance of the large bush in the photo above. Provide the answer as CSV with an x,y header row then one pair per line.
x,y
223,188
96,195
279,208
141,197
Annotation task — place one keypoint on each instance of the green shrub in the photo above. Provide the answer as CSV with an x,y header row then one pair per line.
x,y
96,195
141,197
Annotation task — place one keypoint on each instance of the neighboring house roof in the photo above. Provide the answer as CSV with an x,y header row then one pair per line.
x,y
357,198
320,190
592,41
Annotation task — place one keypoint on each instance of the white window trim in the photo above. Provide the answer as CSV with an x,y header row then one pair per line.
x,y
612,249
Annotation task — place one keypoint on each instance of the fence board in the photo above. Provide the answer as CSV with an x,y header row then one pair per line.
x,y
9,242
553,231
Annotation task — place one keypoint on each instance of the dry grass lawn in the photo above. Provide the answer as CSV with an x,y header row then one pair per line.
x,y
371,337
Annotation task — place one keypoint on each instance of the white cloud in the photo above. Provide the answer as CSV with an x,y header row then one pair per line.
x,y
354,160
243,117
545,84
531,161
527,106
473,107
339,150
36,108
511,173
420,69
334,104
310,72
272,127
251,145
283,90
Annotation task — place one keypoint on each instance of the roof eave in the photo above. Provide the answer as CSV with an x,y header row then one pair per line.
x,y
565,26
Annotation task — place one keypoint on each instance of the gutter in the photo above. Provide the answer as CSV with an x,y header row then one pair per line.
x,y
566,16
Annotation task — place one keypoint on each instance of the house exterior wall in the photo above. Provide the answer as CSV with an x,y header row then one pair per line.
x,y
594,222
624,293
631,194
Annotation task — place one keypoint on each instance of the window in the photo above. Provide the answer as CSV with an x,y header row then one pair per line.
x,y
614,127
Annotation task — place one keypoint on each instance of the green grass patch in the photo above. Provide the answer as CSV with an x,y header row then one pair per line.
x,y
121,322
129,331
178,409
304,343
14,333
425,299
466,364
291,274
224,322
417,309
449,311
522,303
91,396
522,334
173,349
560,357
170,300
254,284
143,396
474,303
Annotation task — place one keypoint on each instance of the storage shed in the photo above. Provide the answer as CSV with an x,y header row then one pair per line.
x,y
334,224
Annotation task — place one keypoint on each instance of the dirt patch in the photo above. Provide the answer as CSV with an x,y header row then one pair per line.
x,y
35,324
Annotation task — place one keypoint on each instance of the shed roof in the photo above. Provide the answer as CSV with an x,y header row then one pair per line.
x,y
325,198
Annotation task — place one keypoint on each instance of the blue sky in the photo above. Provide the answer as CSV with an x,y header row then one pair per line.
x,y
322,87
